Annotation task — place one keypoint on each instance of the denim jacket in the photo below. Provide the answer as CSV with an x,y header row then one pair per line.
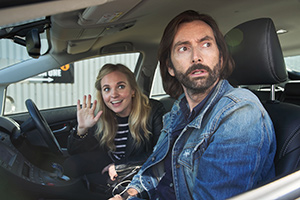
x,y
226,150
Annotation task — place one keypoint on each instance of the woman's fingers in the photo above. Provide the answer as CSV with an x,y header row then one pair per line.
x,y
113,176
89,101
88,108
84,102
78,104
112,172
97,117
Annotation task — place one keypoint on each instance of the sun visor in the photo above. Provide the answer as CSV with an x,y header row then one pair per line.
x,y
109,12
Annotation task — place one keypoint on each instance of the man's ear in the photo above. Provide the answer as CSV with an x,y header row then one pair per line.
x,y
221,61
171,71
170,68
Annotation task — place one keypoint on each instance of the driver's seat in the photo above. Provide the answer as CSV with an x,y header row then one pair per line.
x,y
257,53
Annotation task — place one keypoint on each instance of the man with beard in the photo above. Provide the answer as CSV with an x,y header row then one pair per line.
x,y
217,141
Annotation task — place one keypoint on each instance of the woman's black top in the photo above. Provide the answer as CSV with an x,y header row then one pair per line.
x,y
133,154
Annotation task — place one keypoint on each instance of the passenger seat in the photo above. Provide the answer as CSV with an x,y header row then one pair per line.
x,y
291,93
256,50
167,102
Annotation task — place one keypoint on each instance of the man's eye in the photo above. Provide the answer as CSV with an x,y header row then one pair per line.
x,y
181,49
207,44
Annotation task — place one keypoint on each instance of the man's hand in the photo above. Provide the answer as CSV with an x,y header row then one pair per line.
x,y
130,192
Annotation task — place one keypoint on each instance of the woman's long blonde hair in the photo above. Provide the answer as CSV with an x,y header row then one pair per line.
x,y
107,125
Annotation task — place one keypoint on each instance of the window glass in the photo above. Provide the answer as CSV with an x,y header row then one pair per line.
x,y
62,87
157,90
12,53
293,63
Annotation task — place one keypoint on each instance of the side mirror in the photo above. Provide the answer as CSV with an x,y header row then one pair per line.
x,y
33,43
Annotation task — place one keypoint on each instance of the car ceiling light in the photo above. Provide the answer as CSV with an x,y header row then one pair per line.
x,y
281,31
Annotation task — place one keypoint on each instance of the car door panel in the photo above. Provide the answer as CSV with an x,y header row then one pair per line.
x,y
60,120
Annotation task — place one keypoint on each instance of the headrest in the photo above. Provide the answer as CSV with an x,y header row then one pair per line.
x,y
256,50
292,89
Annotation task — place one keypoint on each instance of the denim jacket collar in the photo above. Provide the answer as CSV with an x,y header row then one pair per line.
x,y
196,123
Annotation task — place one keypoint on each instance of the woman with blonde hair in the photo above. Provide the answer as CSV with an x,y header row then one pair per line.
x,y
121,127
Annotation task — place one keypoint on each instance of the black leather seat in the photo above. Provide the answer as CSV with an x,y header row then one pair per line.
x,y
259,61
167,102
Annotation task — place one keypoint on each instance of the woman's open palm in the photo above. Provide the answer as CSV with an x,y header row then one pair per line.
x,y
86,114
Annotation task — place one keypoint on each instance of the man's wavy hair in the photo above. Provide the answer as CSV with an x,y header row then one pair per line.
x,y
171,85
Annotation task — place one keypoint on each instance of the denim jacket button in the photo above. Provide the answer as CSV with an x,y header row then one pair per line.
x,y
171,184
177,166
153,158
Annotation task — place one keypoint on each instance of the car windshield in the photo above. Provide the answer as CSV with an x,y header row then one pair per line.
x,y
11,53
13,42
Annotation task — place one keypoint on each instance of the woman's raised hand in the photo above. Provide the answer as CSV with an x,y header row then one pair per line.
x,y
86,115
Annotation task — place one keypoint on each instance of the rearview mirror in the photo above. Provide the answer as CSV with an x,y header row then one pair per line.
x,y
33,43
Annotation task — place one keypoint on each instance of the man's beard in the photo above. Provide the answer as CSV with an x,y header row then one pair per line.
x,y
200,84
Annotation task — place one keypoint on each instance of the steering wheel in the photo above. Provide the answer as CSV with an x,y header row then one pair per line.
x,y
41,124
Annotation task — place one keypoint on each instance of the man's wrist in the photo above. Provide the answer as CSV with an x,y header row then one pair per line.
x,y
125,195
129,193
132,192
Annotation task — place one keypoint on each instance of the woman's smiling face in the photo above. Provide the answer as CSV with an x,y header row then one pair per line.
x,y
117,93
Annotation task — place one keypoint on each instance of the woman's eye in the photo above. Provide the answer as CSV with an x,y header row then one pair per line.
x,y
121,86
105,89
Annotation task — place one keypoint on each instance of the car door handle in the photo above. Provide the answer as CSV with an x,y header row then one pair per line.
x,y
61,129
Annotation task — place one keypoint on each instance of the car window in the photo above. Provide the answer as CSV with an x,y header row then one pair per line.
x,y
157,90
62,87
293,63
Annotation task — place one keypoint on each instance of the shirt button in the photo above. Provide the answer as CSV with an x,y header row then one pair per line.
x,y
153,158
177,166
171,184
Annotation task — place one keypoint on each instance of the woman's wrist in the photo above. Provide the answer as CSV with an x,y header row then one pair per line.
x,y
82,133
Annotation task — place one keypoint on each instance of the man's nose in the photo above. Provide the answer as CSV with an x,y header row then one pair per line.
x,y
196,56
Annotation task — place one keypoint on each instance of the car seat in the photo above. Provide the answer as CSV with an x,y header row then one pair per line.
x,y
258,57
291,93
